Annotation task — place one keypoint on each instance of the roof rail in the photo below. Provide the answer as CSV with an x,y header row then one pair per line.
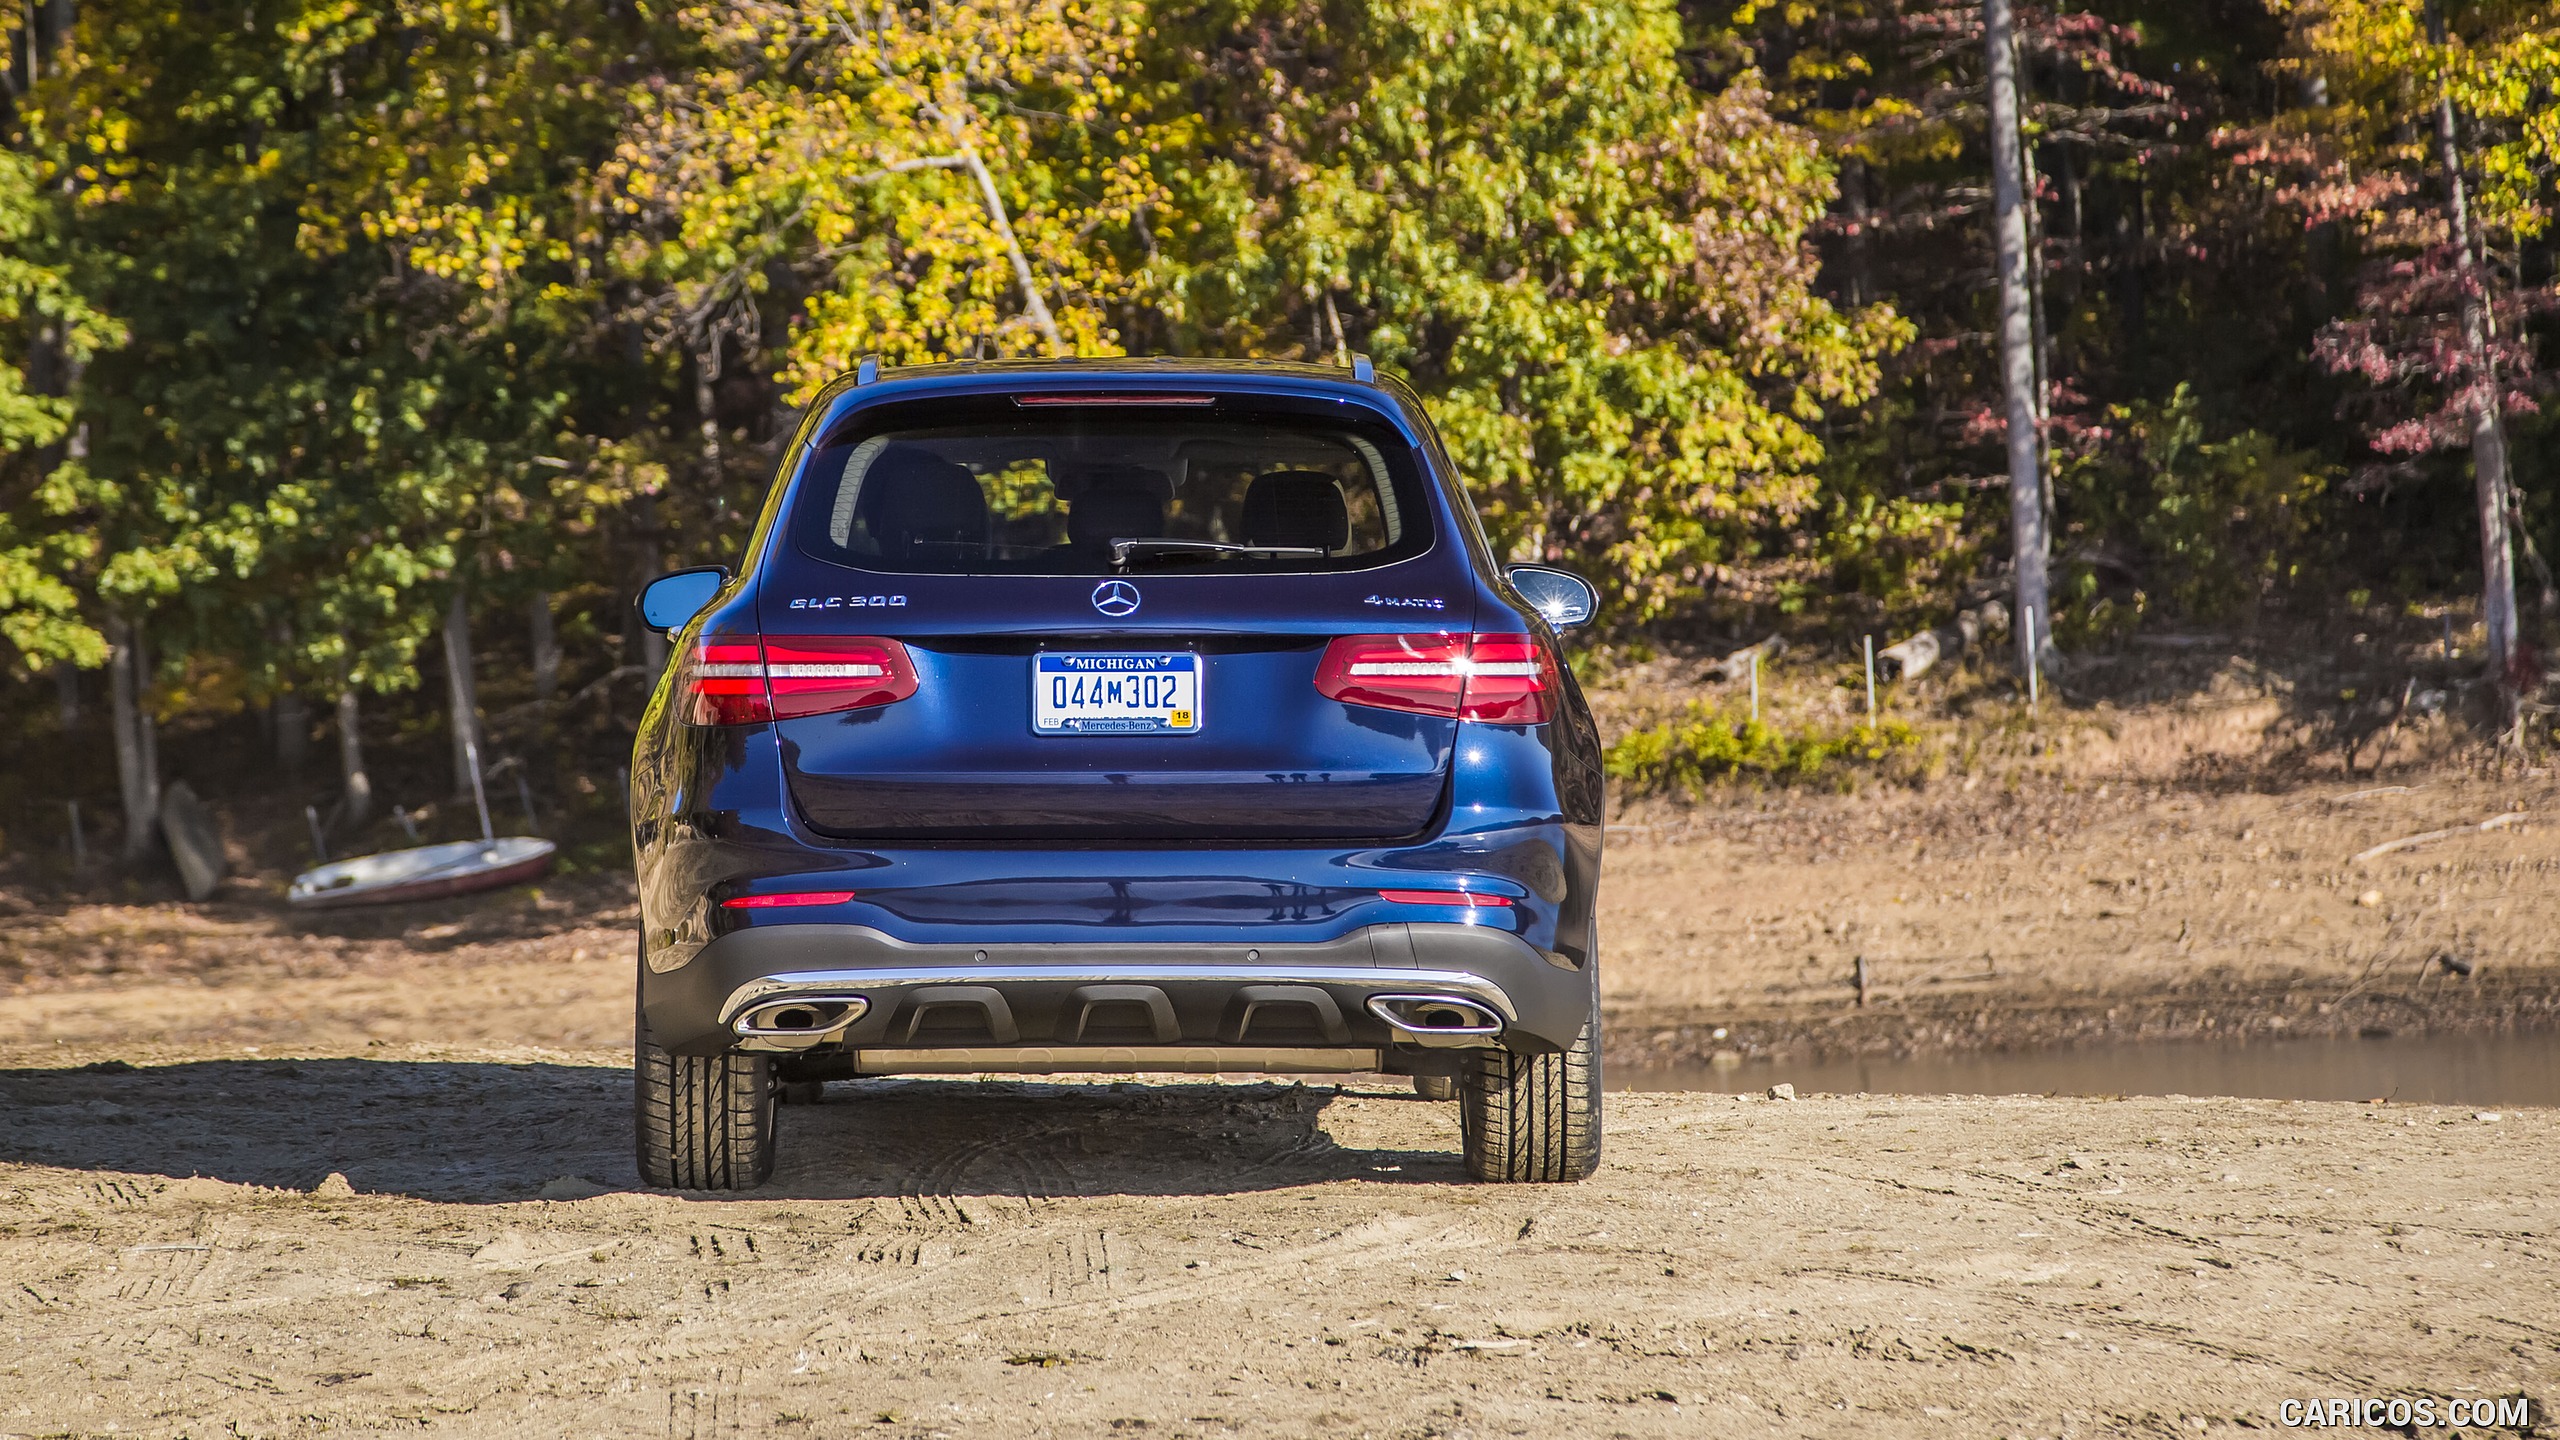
x,y
869,373
1361,369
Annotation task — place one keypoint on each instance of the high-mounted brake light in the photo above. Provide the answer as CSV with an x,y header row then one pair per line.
x,y
747,682
1036,401
1504,679
1467,898
784,902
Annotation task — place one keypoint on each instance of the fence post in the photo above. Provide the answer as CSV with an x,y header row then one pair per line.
x,y
1871,682
2033,661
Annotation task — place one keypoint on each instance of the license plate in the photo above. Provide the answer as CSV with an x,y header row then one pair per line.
x,y
1117,694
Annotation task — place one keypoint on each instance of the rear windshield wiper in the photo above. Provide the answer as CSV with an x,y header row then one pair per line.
x,y
1125,550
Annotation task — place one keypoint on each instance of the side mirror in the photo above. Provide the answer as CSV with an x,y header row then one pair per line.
x,y
669,603
1564,598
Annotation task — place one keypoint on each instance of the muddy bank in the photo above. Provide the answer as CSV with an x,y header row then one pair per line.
x,y
2433,1002
193,1238
2066,911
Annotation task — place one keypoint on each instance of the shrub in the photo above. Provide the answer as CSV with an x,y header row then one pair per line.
x,y
1707,746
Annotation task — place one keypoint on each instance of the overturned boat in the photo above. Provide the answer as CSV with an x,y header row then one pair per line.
x,y
428,872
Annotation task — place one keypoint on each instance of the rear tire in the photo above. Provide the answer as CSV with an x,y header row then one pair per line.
x,y
1533,1118
704,1122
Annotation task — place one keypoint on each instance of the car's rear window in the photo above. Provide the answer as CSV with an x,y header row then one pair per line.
x,y
1094,493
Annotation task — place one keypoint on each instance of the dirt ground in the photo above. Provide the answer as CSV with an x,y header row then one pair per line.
x,y
196,1240
1999,913
261,1175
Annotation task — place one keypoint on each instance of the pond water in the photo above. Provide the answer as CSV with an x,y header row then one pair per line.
x,y
2514,1069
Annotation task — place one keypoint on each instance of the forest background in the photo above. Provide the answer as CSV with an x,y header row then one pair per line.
x,y
361,360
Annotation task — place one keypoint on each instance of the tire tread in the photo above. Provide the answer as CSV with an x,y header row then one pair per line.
x,y
1533,1118
703,1122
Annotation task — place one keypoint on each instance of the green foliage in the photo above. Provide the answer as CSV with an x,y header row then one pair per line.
x,y
1708,746
42,313
948,179
2499,66
312,313
2211,523
311,431
1909,551
1596,275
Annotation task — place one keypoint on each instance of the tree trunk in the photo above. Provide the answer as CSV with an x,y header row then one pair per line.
x,y
2548,601
293,731
2488,430
2032,179
2028,536
146,727
546,649
652,563
706,403
137,750
1859,244
289,713
351,772
461,693
66,696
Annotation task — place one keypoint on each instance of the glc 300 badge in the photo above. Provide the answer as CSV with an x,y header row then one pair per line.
x,y
846,602
1116,598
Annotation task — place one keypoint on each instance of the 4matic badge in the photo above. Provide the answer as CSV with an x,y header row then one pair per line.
x,y
1116,598
1408,602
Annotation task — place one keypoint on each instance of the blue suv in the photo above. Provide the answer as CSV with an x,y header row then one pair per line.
x,y
1125,716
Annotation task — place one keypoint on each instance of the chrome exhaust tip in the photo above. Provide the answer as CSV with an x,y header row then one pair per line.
x,y
798,1022
1437,1020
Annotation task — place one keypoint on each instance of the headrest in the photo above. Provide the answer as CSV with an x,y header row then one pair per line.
x,y
911,496
1296,508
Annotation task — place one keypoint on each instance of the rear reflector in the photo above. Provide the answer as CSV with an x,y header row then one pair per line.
x,y
1038,401
734,682
783,902
1445,897
1504,679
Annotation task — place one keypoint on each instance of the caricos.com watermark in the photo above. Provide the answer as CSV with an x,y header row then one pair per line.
x,y
2423,1412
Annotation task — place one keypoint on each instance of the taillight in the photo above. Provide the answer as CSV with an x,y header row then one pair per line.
x,y
1511,680
793,900
1505,679
732,682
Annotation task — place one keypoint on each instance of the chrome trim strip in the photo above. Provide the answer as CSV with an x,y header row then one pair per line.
x,y
1120,1060
1458,982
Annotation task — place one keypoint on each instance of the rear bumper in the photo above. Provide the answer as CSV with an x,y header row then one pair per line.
x,y
1091,998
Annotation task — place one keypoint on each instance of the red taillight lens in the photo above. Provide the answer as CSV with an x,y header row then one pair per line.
x,y
1511,680
726,684
1419,673
1444,897
818,675
1504,679
784,902
745,682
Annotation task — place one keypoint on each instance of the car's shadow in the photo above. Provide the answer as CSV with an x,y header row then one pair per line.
x,y
484,1133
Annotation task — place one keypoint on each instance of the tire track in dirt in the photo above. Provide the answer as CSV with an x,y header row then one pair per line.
x,y
1369,1244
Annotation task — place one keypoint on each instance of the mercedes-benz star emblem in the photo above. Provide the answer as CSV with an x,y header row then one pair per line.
x,y
1116,598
